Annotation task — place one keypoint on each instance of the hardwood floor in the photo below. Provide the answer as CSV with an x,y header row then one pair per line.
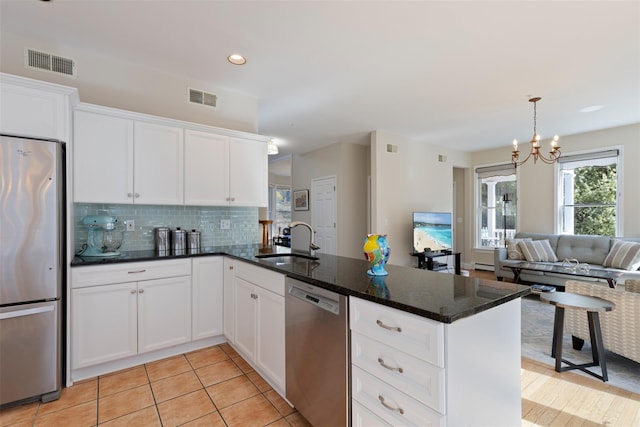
x,y
216,387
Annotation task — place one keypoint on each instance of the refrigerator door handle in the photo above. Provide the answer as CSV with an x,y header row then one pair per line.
x,y
27,312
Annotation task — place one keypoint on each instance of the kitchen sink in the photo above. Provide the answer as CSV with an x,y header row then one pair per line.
x,y
287,258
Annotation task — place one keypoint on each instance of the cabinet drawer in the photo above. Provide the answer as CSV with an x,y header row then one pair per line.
x,y
128,272
388,403
362,417
415,335
266,279
415,377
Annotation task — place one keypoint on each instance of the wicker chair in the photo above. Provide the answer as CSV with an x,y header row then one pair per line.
x,y
620,327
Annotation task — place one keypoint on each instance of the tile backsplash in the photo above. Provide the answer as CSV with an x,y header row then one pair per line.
x,y
206,219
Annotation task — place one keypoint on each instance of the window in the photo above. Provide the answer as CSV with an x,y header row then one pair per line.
x,y
497,208
588,200
279,207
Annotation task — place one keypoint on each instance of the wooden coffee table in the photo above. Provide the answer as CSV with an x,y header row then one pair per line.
x,y
609,276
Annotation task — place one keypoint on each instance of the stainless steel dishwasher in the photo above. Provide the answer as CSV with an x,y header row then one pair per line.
x,y
317,354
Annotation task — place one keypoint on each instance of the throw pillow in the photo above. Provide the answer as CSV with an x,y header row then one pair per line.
x,y
624,255
513,251
538,251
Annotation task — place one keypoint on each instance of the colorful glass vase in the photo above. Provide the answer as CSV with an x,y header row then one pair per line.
x,y
376,252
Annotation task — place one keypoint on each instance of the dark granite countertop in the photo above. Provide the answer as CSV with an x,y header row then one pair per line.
x,y
438,296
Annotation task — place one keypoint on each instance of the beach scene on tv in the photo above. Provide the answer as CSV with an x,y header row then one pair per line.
x,y
432,231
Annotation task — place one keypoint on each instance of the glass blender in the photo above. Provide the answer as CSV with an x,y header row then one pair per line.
x,y
103,237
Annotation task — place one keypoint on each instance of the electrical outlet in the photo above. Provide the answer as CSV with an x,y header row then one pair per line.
x,y
225,224
130,225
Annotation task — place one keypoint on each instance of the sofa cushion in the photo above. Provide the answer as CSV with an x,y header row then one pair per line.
x,y
537,250
624,255
589,249
513,250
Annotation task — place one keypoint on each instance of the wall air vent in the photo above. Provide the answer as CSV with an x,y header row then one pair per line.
x,y
200,97
49,62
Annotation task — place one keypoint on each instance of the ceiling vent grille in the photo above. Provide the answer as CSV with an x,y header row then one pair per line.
x,y
202,98
49,62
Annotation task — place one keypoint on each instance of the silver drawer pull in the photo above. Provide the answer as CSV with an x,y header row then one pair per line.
x,y
389,328
391,368
391,408
136,271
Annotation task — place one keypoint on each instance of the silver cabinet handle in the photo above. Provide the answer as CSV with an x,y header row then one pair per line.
x,y
133,291
141,291
137,195
391,368
136,271
233,199
389,407
231,267
387,327
129,194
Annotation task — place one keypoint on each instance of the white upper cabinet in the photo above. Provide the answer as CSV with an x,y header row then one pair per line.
x,y
158,164
206,176
121,160
248,173
34,108
224,171
103,158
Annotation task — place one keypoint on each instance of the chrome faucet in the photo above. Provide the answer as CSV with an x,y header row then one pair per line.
x,y
312,245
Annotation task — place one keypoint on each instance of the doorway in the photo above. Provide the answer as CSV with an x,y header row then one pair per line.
x,y
324,212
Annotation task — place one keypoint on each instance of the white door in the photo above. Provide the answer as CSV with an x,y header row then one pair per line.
x,y
324,213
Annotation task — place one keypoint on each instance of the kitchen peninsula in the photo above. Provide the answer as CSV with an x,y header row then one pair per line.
x,y
461,334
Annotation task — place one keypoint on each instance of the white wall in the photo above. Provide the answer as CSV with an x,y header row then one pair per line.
x,y
348,162
536,182
411,179
113,83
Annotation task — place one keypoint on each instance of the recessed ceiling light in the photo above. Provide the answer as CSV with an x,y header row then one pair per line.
x,y
591,108
237,59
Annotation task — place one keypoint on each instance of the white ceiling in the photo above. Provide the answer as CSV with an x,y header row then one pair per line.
x,y
451,73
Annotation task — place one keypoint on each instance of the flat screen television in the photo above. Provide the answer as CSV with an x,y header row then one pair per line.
x,y
432,231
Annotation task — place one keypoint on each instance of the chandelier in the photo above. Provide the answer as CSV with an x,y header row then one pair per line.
x,y
554,154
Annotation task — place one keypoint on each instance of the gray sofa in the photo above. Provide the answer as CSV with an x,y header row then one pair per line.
x,y
586,249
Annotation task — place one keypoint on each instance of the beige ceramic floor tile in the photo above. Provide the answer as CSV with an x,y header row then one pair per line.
x,y
210,420
125,402
185,408
167,367
297,420
255,411
276,400
218,372
280,423
83,415
175,386
72,396
242,364
226,347
259,381
124,380
147,417
206,356
232,391
18,413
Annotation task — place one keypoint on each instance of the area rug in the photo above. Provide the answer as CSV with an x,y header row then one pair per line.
x,y
537,332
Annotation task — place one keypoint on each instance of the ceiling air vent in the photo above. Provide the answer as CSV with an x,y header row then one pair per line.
x,y
203,98
49,62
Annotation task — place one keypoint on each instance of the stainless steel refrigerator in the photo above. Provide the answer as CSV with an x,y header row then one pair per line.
x,y
32,258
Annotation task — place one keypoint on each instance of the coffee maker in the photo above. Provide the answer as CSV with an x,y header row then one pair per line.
x,y
103,237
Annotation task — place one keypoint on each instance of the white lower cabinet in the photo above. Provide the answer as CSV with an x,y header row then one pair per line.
x,y
112,319
258,319
410,370
207,297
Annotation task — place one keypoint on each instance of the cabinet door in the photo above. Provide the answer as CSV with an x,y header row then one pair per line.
x,y
102,159
159,164
103,324
207,297
248,173
229,301
206,173
245,318
270,354
164,313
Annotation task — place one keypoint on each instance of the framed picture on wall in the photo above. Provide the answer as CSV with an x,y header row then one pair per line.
x,y
301,200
